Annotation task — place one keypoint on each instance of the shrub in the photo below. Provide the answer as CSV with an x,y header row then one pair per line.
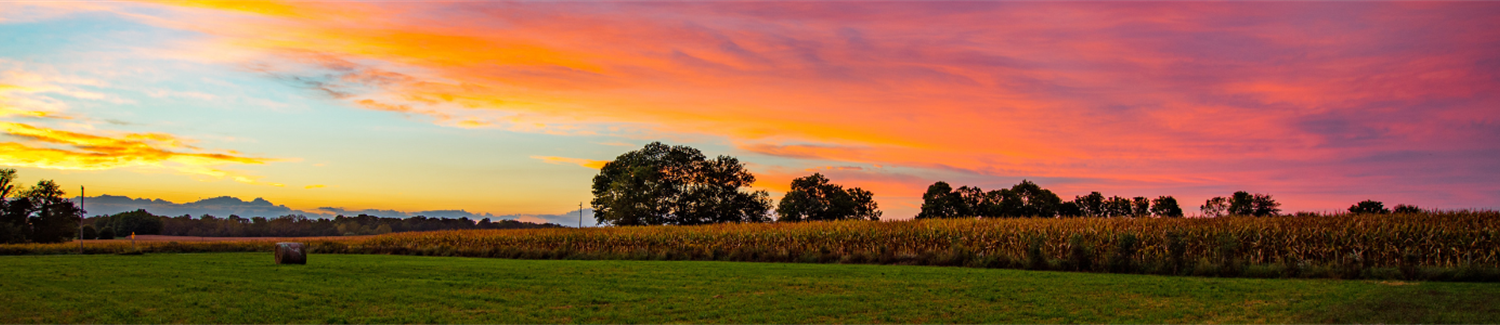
x,y
1176,250
1035,260
89,232
1080,254
1121,260
106,233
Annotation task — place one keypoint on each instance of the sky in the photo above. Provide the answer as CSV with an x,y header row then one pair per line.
x,y
509,108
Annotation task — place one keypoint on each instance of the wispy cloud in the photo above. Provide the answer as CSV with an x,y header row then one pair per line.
x,y
1197,94
590,163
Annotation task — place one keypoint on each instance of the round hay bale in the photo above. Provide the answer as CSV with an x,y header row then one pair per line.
x,y
291,253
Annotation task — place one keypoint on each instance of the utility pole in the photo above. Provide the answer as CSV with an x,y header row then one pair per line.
x,y
580,215
81,211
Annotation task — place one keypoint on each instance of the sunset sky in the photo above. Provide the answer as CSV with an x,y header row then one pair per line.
x,y
509,108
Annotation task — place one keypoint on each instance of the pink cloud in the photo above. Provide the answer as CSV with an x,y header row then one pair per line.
x,y
1322,100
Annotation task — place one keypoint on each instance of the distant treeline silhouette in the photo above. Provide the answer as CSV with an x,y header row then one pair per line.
x,y
144,223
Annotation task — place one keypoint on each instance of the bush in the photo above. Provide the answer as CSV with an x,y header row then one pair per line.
x,y
1229,263
89,232
1176,251
1409,264
1035,260
1080,254
1121,260
106,233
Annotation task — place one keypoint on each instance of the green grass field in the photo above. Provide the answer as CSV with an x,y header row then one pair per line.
x,y
248,288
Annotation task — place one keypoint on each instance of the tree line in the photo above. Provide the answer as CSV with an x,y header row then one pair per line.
x,y
662,184
144,223
40,214
43,214
1030,200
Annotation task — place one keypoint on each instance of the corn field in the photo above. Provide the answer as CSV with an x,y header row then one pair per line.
x,y
1453,240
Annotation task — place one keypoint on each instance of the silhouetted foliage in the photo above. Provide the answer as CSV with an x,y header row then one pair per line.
x,y
1166,207
940,202
89,232
1259,205
51,216
1215,207
812,198
1091,205
1080,254
106,233
1370,207
1403,208
1069,209
1140,207
137,222
1025,199
1117,206
293,225
13,213
1122,259
675,185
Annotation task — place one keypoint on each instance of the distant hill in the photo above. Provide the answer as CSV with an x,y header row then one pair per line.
x,y
224,206
219,206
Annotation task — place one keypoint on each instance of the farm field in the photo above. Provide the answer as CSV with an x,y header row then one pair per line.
x,y
248,288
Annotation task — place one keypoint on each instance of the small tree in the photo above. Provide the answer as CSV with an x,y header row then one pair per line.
x,y
1369,207
1140,206
106,233
1265,206
1166,207
1091,205
1407,209
138,222
1245,204
1118,207
1215,207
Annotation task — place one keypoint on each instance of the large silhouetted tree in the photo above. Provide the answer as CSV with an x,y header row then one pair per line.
x,y
675,185
812,198
940,202
54,218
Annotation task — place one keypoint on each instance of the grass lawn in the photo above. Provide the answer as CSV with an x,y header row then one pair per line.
x,y
248,288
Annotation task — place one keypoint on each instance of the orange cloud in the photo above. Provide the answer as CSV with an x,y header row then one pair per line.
x,y
81,151
590,163
1222,93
